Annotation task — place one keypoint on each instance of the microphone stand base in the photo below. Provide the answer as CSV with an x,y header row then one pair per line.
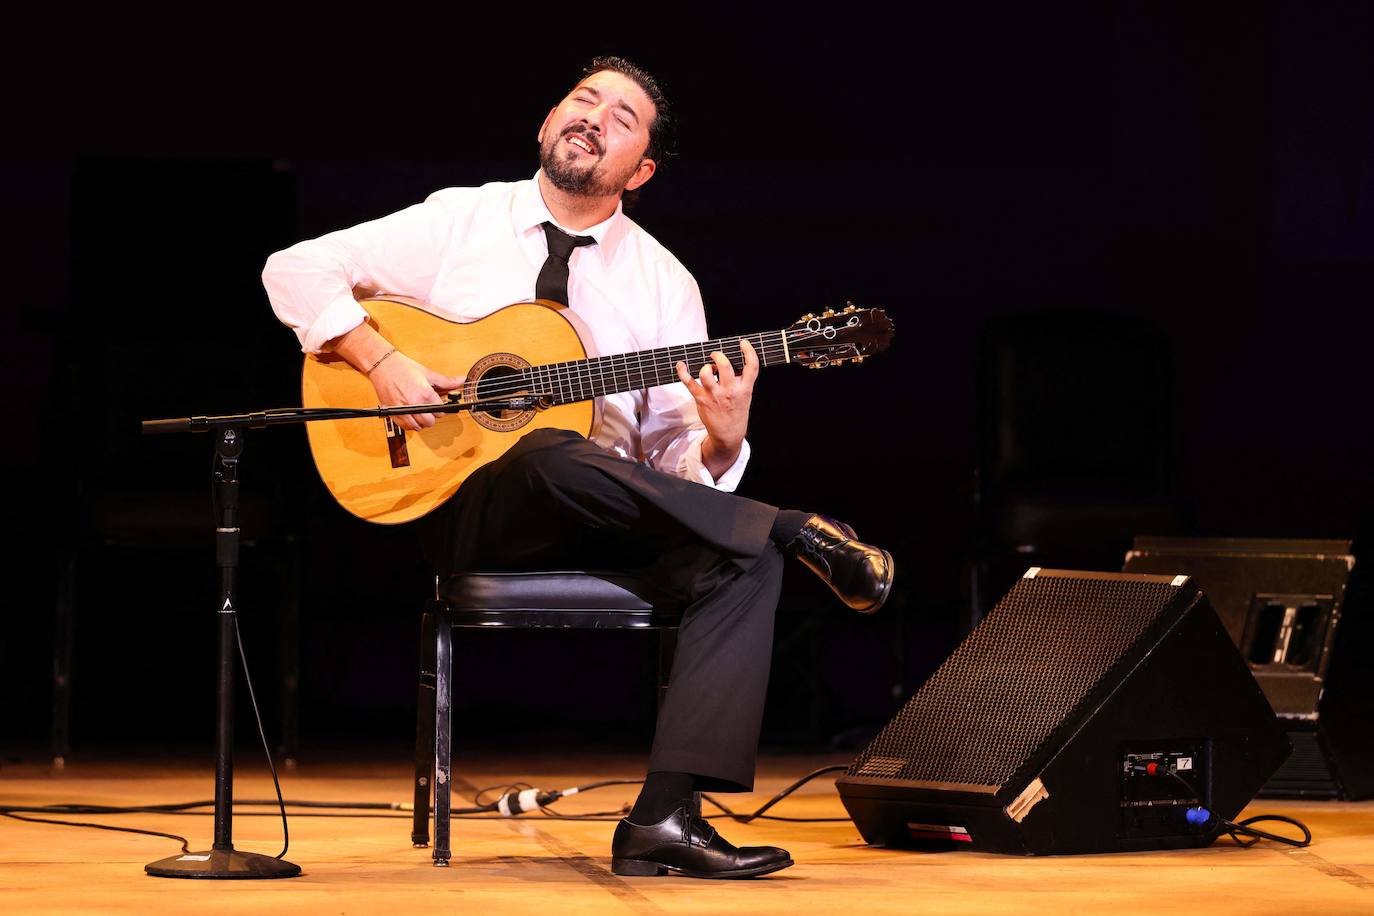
x,y
222,863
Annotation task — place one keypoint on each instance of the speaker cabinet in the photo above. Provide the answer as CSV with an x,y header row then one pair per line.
x,y
1086,713
1307,642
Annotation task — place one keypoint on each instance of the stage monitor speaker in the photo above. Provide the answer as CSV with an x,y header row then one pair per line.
x,y
1086,713
1307,642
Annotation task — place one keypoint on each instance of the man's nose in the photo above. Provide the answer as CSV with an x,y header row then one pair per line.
x,y
597,116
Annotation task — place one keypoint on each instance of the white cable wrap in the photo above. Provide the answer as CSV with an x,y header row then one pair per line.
x,y
511,804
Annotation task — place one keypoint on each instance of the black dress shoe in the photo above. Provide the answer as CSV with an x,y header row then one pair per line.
x,y
685,844
860,574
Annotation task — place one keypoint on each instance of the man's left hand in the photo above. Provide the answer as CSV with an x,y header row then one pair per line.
x,y
723,398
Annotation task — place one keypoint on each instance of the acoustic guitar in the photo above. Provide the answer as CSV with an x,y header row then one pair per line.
x,y
382,473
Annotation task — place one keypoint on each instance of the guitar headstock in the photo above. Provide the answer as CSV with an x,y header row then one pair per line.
x,y
832,338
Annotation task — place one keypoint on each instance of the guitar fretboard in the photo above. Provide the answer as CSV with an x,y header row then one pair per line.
x,y
583,379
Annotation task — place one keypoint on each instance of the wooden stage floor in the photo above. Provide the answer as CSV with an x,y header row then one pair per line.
x,y
536,864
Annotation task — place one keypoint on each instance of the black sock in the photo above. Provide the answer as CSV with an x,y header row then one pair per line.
x,y
788,525
663,793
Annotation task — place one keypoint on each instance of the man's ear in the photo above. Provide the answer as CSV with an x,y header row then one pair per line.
x,y
643,173
545,126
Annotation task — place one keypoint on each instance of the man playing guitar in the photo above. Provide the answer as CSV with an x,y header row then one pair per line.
x,y
652,491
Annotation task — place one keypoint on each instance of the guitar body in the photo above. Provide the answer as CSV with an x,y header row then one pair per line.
x,y
384,475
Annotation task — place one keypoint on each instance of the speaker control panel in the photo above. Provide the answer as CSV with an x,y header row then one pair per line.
x,y
1159,782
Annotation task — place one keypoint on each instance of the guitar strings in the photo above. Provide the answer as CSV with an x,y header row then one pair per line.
x,y
564,376
573,382
576,380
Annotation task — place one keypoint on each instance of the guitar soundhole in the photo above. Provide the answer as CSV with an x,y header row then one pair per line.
x,y
497,376
498,383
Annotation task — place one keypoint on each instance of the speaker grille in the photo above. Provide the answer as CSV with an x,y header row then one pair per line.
x,y
1306,773
1018,676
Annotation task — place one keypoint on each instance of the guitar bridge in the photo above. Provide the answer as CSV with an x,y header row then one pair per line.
x,y
396,443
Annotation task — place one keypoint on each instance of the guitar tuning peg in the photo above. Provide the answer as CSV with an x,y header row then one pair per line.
x,y
859,359
808,316
848,308
828,313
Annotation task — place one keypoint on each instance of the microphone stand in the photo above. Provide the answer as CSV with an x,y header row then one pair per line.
x,y
222,860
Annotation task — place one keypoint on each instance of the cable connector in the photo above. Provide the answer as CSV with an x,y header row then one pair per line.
x,y
1201,817
513,804
1197,816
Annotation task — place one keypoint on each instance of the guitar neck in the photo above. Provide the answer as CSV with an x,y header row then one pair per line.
x,y
583,379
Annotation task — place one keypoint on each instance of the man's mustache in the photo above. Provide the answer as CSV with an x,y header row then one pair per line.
x,y
581,130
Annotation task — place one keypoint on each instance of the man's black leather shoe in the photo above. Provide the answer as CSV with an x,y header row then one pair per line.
x,y
860,574
687,845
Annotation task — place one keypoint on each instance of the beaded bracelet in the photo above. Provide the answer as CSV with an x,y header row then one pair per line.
x,y
381,359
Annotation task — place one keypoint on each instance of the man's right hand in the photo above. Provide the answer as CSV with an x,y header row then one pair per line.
x,y
399,379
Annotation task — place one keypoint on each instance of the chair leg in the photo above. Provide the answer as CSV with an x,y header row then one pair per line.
x,y
424,734
443,732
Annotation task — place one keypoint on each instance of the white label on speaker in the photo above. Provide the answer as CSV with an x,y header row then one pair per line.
x,y
1031,796
1032,572
1178,580
1184,763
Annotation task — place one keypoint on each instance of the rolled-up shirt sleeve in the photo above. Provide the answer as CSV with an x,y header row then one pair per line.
x,y
671,431
310,284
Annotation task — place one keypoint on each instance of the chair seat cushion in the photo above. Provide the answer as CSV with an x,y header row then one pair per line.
x,y
571,598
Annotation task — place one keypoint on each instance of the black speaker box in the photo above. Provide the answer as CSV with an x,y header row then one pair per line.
x,y
1307,642
1086,713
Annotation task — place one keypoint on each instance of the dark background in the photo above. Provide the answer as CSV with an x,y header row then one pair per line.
x,y
1206,167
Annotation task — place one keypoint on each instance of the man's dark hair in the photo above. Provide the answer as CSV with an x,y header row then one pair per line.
x,y
661,129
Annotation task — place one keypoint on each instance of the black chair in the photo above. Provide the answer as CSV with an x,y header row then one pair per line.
x,y
569,600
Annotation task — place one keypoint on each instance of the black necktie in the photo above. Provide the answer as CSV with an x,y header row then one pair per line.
x,y
553,276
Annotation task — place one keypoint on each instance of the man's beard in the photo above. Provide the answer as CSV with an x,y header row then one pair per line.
x,y
570,177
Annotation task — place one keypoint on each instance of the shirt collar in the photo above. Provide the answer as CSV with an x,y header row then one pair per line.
x,y
530,212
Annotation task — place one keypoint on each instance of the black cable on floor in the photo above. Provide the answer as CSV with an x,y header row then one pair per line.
x,y
10,810
759,814
185,844
1254,836
488,810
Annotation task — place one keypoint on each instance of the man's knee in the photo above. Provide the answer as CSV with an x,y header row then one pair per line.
x,y
540,441
545,437
546,453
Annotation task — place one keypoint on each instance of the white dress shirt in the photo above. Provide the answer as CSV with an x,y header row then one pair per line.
x,y
470,251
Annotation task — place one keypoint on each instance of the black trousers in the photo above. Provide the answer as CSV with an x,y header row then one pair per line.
x,y
556,500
